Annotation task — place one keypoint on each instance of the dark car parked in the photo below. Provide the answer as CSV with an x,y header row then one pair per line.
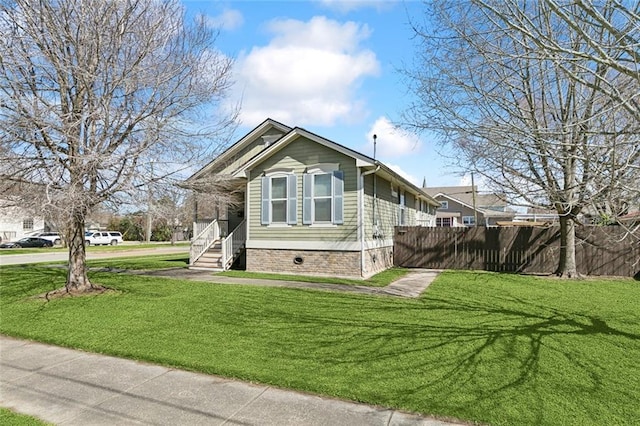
x,y
28,242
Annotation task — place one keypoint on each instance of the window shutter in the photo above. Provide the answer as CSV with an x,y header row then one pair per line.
x,y
292,205
266,202
307,198
338,197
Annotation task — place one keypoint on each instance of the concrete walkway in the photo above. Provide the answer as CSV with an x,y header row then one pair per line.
x,y
411,285
69,387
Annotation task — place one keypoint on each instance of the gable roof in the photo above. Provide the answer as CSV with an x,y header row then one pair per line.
x,y
361,159
257,131
464,195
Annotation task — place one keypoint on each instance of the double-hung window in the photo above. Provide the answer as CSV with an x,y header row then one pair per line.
x,y
402,211
323,194
468,220
443,221
27,224
279,202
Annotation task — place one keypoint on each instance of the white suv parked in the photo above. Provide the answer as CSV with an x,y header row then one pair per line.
x,y
54,237
102,237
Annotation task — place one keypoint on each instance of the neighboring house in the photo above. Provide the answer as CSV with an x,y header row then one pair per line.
x,y
458,207
311,206
16,223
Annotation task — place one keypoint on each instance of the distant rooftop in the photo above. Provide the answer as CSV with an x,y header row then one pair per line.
x,y
465,195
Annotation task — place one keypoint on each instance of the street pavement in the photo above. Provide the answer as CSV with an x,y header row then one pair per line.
x,y
62,255
70,387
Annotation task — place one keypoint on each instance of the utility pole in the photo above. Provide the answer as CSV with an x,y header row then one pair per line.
x,y
473,197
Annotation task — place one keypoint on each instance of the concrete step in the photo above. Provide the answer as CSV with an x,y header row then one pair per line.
x,y
210,260
211,255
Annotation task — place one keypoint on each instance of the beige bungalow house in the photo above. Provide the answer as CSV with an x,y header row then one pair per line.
x,y
310,206
461,205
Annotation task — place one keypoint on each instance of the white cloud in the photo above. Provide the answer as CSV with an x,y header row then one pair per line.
x,y
308,74
411,178
229,19
392,141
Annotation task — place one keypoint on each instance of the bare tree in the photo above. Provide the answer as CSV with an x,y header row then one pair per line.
x,y
101,96
540,99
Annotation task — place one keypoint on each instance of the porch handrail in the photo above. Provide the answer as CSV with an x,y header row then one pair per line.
x,y
233,243
205,239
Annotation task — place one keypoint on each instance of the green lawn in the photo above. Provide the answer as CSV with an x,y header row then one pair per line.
x,y
159,261
498,349
8,417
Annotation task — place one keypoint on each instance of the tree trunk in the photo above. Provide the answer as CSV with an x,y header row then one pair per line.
x,y
77,279
567,264
148,228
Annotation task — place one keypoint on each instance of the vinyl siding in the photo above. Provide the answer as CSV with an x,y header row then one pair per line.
x,y
298,155
455,207
386,209
245,154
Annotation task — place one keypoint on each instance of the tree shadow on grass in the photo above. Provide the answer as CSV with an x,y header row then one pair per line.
x,y
29,281
450,355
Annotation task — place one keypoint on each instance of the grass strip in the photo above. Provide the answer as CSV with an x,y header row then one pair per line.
x,y
8,417
482,347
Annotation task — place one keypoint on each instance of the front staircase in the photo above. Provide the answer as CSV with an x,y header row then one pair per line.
x,y
210,259
211,251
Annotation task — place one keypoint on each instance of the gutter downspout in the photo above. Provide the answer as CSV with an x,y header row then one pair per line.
x,y
361,224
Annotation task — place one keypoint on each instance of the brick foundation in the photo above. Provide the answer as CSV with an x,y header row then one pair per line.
x,y
314,262
319,262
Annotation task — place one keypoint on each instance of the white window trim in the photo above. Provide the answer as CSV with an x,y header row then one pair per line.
x,y
321,168
279,225
278,171
444,205
309,198
315,197
274,174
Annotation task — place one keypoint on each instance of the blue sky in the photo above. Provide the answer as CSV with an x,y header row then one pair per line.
x,y
330,67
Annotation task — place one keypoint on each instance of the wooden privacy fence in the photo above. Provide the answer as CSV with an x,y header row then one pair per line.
x,y
599,250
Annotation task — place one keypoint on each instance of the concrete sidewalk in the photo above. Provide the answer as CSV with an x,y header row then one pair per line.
x,y
411,285
69,387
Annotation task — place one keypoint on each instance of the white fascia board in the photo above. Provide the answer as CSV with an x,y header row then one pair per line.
x,y
364,163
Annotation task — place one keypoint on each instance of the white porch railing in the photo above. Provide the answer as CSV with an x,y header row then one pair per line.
x,y
232,244
203,239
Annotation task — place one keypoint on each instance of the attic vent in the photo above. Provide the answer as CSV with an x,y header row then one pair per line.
x,y
269,139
